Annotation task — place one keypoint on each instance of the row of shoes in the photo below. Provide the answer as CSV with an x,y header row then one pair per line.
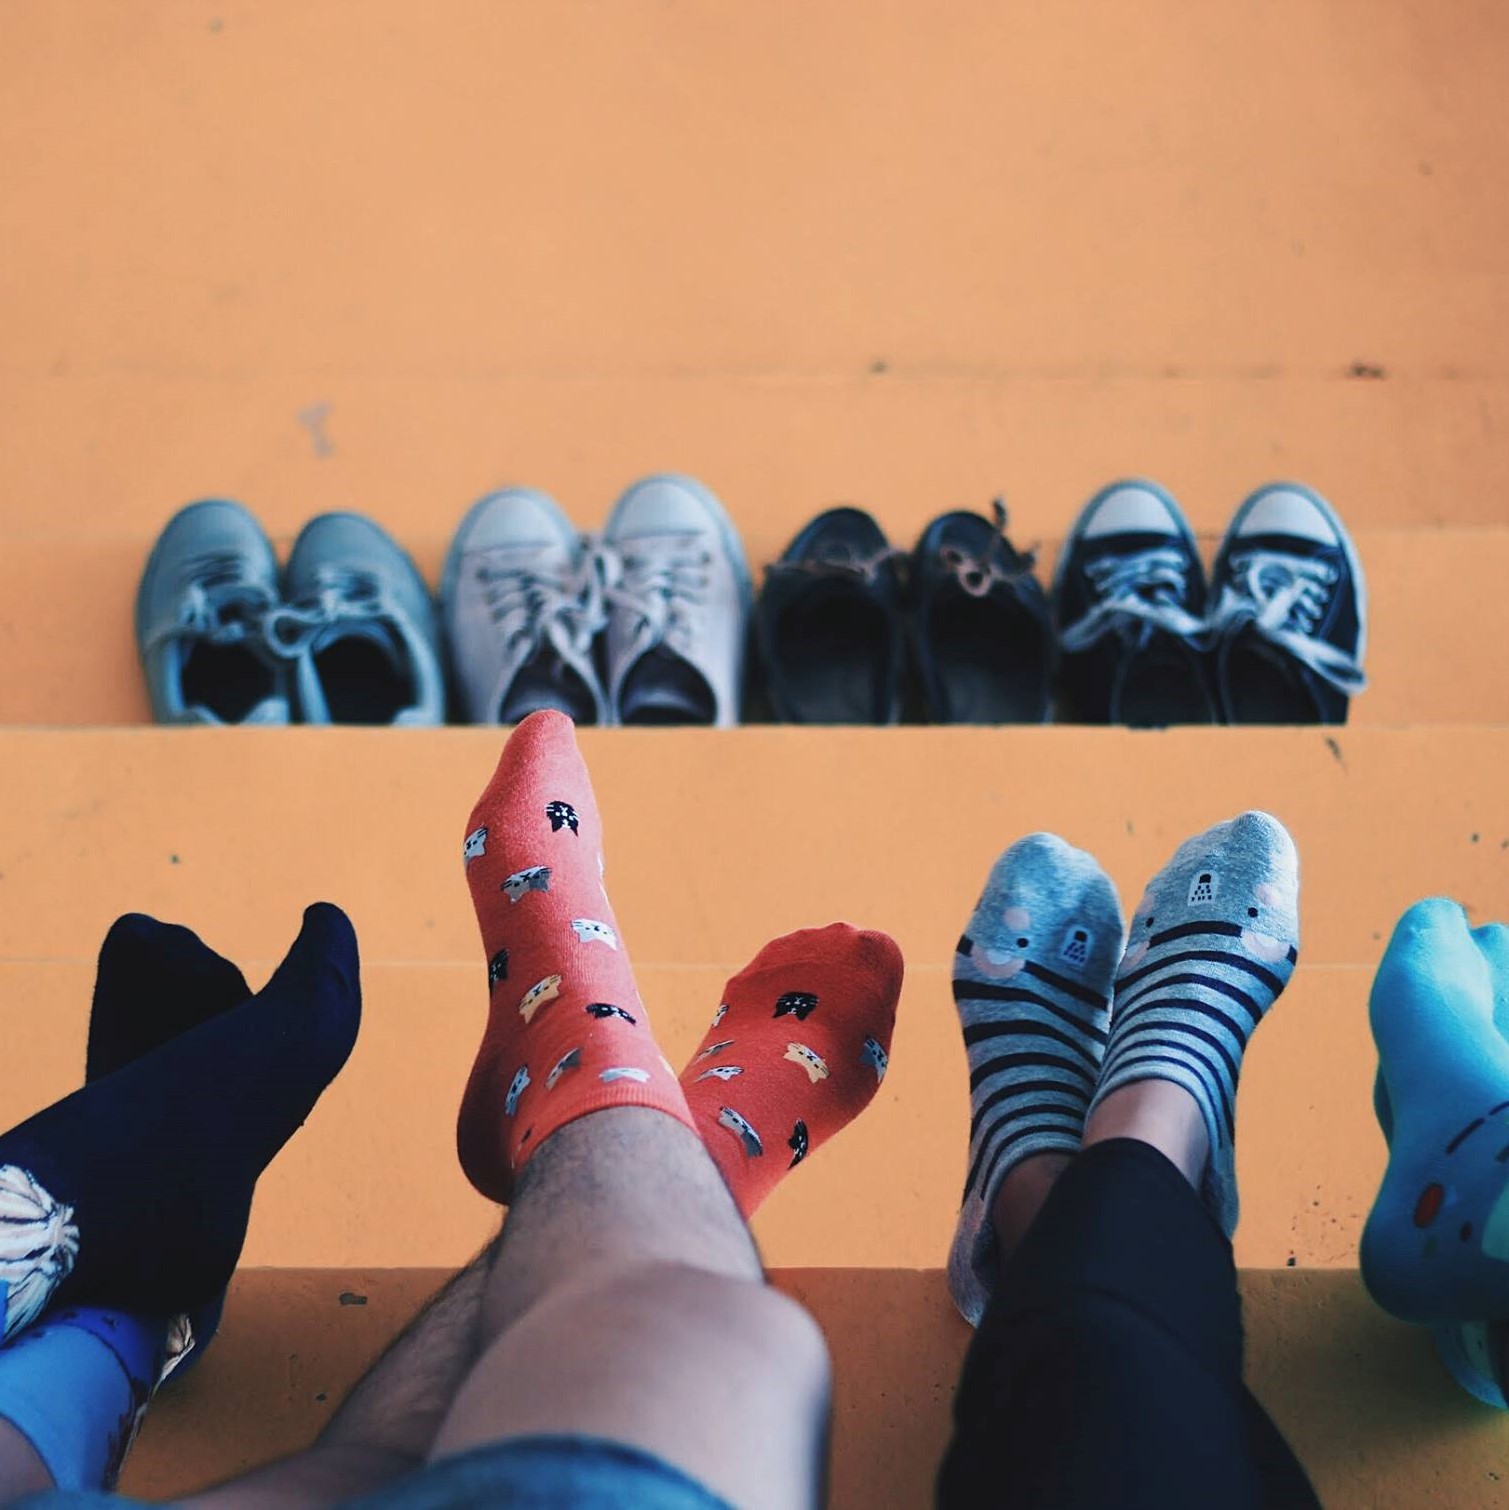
x,y
1133,631
647,622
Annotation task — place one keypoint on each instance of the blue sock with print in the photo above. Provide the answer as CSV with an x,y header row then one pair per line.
x,y
1436,1244
76,1385
1212,945
1472,1351
1032,983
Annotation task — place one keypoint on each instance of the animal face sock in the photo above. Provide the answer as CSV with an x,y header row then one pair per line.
x,y
1436,1245
1211,946
76,1387
134,1192
798,1048
1032,984
566,1031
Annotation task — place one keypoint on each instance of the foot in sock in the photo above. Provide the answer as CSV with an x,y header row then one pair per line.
x,y
566,1032
1211,946
1473,1352
798,1047
1436,1244
134,1192
1032,983
154,981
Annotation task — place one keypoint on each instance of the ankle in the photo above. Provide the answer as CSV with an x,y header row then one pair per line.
x,y
1022,1194
1161,1114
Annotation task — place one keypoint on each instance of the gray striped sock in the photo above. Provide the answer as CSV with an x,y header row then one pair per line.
x,y
1032,982
1213,943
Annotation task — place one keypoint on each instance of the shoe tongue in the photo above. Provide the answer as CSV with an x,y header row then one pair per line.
x,y
547,682
373,631
663,689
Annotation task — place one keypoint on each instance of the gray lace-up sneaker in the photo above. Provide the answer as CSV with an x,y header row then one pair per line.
x,y
679,597
208,586
358,628
521,601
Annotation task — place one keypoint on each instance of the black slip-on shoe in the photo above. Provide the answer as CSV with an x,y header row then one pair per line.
x,y
1129,608
984,640
829,624
1288,624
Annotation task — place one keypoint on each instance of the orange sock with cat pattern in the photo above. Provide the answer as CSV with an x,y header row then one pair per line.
x,y
566,1031
797,1049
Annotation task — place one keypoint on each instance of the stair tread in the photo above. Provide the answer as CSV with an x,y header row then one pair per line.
x,y
1372,1415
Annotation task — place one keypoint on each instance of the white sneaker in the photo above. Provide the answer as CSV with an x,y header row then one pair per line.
x,y
520,602
679,596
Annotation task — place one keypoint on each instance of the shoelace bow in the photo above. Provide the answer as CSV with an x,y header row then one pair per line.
x,y
342,595
661,583
533,609
219,604
1283,598
1145,587
979,577
841,561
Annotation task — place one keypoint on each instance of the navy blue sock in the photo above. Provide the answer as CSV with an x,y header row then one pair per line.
x,y
135,1191
154,981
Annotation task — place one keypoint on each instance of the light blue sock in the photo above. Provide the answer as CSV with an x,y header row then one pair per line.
x,y
1436,1244
1212,944
1032,983
1472,1351
76,1385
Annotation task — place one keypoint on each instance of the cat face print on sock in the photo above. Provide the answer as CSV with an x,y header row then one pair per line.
x,y
798,1046
566,1033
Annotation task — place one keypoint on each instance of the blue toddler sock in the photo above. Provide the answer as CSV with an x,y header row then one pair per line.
x,y
1032,982
1436,1244
1213,943
76,1387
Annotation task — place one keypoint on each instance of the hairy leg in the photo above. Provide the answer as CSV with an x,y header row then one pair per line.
x,y
627,1292
386,1425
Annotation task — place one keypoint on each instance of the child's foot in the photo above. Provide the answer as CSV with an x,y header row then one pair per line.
x,y
1212,944
566,1032
797,1049
135,1191
1436,1245
1032,982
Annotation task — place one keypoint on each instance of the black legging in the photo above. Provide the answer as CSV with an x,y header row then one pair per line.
x,y
1107,1372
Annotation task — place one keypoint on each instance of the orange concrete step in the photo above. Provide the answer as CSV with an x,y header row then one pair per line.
x,y
1086,190
1374,1418
1438,616
372,1179
717,842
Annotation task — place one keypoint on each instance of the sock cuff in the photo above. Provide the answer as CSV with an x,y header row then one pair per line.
x,y
605,1098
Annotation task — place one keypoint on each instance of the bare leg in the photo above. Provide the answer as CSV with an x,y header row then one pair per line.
x,y
1156,1112
387,1423
1021,1197
628,1297
22,1472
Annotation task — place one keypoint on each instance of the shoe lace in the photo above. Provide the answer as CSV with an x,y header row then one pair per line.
x,y
662,584
339,594
219,603
1284,597
1142,587
534,609
979,576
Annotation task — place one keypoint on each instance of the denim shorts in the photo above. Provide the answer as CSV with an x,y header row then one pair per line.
x,y
530,1473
